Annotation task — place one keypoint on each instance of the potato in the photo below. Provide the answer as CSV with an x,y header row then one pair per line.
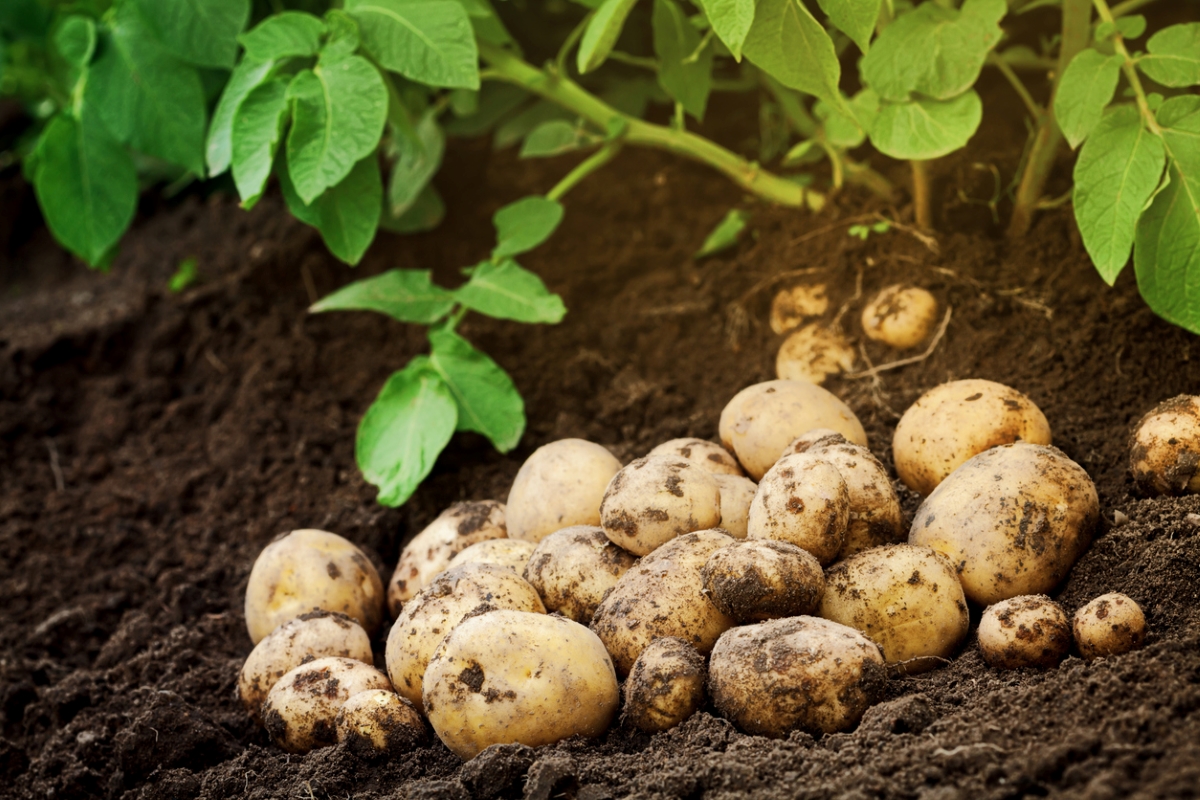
x,y
431,551
442,605
906,599
1030,630
1013,520
657,498
737,493
761,579
900,316
709,455
764,418
663,595
560,485
512,676
1164,451
572,569
802,500
508,553
1110,625
799,672
380,722
301,710
957,420
812,354
314,635
665,686
792,306
307,570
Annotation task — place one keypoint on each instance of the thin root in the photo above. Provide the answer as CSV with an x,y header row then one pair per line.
x,y
904,362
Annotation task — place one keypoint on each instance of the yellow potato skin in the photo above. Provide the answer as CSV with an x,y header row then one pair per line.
x,y
665,686
379,722
1164,450
508,553
572,569
1110,625
802,500
301,709
656,498
1024,631
709,455
561,484
900,316
737,493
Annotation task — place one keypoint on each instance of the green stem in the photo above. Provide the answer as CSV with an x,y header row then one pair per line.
x,y
456,317
791,105
641,62
1129,6
862,175
560,61
1019,60
695,55
1127,67
1034,109
835,161
922,195
592,163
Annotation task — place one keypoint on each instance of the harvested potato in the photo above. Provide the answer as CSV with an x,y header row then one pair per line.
x,y
708,455
313,635
1013,520
572,569
508,553
380,722
301,710
764,418
663,595
761,579
813,353
431,551
802,500
560,485
900,316
442,605
1110,625
794,305
657,498
799,672
1026,631
512,676
665,686
906,599
1164,451
307,570
957,420
737,493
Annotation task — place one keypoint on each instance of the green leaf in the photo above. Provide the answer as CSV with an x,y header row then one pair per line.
x,y
418,162
219,147
200,32
731,20
496,101
788,43
344,36
286,35
407,295
1086,87
556,137
1179,119
185,275
845,131
601,33
488,401
726,234
75,40
520,125
1167,253
347,215
525,224
506,290
428,41
486,22
1174,58
1131,27
425,214
1119,167
855,18
404,430
257,128
688,82
922,129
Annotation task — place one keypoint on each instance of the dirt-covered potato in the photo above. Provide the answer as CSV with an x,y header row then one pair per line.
x,y
802,500
572,569
508,553
665,686
906,599
799,672
1110,625
307,570
663,595
301,709
955,421
1164,451
764,418
813,353
560,485
794,305
761,579
1026,631
314,635
380,722
431,551
656,498
737,493
512,676
900,316
1013,520
708,455
439,607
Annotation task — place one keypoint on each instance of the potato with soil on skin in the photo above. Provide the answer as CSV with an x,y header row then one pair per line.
x,y
301,709
508,553
1164,450
760,579
708,455
1110,625
512,676
307,570
802,500
764,418
794,305
1026,631
572,569
657,498
813,353
900,316
959,420
560,485
1013,520
665,686
799,672
737,493
380,722
906,599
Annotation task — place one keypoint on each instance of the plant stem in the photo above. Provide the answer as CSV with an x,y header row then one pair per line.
x,y
1127,67
1036,111
586,167
835,161
793,109
641,62
1129,6
922,195
560,62
862,175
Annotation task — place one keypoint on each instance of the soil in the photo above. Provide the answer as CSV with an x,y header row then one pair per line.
x,y
153,443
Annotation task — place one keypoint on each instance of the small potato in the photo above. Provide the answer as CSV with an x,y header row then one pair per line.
x,y
802,500
799,672
709,455
314,635
1110,625
1012,520
904,598
792,306
306,570
511,676
657,498
431,551
736,496
761,579
1030,630
508,553
764,418
301,709
574,568
812,354
957,420
665,686
560,485
380,722
900,316
1164,451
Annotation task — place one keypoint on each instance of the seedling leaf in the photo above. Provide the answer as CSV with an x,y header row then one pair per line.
x,y
343,38
257,128
424,214
506,290
726,234
1174,58
219,148
922,129
185,275
419,159
788,43
347,215
556,137
601,33
407,295
200,32
1086,87
488,402
688,82
525,224
855,18
428,41
286,35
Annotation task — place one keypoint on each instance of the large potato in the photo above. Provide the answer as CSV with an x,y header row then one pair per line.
x,y
761,579
572,569
512,676
1110,625
560,485
737,493
307,570
1024,631
301,709
1012,520
508,553
709,455
955,421
1164,451
802,500
665,686
655,499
